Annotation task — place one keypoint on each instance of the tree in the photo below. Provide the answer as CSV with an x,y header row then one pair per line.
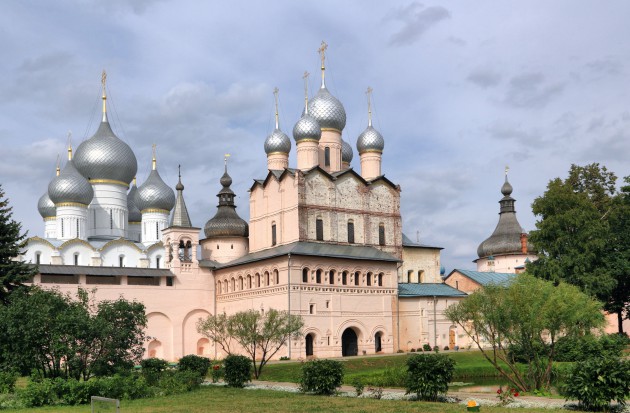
x,y
59,336
13,273
260,335
528,313
583,235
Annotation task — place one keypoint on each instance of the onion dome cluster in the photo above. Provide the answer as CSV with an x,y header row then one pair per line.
x,y
46,206
70,187
370,140
105,157
154,194
226,222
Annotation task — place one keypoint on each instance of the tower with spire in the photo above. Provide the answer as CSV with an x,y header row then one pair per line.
x,y
370,145
307,134
277,144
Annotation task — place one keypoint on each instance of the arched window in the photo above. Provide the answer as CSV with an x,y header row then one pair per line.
x,y
257,280
249,281
318,276
232,284
276,277
380,279
157,261
121,261
188,251
273,234
368,279
420,276
319,229
76,259
381,234
267,278
344,278
38,257
305,272
219,287
181,250
225,286
326,156
240,283
350,232
356,277
409,274
331,277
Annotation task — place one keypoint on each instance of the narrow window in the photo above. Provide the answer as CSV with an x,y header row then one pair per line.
x,y
240,283
267,279
344,278
368,278
305,275
380,280
121,261
38,258
76,259
331,277
457,285
232,285
157,262
420,276
327,304
277,277
311,309
327,156
78,235
351,232
318,276
169,281
319,229
111,219
157,230
249,281
258,280
94,217
409,274
381,234
356,278
61,227
273,234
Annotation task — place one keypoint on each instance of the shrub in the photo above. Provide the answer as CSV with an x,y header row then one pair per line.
x,y
285,358
37,394
400,351
238,370
182,381
597,381
125,387
446,348
152,369
7,382
358,385
573,348
436,349
521,355
321,376
413,350
195,363
428,375
426,347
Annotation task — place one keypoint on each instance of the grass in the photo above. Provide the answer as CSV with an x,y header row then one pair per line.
x,y
384,370
220,399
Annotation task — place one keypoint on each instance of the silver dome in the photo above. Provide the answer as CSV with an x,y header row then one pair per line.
x,y
370,140
328,110
346,152
278,141
155,194
104,156
134,211
307,128
70,186
46,207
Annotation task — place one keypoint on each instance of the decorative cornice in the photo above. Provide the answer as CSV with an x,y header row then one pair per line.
x,y
109,181
371,151
307,140
134,222
42,240
70,204
331,130
76,241
278,153
121,240
53,218
156,210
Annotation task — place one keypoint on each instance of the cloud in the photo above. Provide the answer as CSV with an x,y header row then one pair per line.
x,y
607,66
503,131
416,21
484,78
530,90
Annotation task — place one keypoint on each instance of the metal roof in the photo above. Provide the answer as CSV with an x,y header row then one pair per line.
x,y
485,278
428,290
351,252
104,271
407,242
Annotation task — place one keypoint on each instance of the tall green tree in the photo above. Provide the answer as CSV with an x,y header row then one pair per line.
x,y
582,235
13,273
530,314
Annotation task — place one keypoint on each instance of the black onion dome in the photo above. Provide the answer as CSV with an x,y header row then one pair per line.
x,y
226,222
70,186
105,157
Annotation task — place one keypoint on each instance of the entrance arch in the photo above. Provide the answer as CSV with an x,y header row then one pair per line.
x,y
309,345
349,343
377,342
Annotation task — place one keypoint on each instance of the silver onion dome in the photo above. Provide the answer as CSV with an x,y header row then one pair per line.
x,y
307,129
134,211
104,156
226,222
370,140
278,141
346,152
46,207
328,110
70,186
155,194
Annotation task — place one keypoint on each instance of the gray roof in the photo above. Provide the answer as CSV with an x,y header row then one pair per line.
x,y
370,140
180,217
104,271
485,278
428,290
70,186
350,252
327,109
407,242
154,193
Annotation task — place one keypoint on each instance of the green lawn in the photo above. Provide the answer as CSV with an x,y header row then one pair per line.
x,y
219,399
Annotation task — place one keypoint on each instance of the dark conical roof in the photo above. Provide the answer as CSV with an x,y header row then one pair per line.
x,y
506,238
226,222
180,217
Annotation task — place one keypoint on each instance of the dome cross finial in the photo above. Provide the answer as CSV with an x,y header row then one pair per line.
x,y
225,159
368,92
507,168
153,160
305,77
275,95
69,145
322,56
104,97
58,169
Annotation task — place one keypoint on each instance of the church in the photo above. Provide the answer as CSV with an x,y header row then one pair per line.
x,y
324,241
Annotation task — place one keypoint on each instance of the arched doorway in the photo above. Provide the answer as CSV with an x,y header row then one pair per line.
x,y
451,337
377,342
309,345
349,343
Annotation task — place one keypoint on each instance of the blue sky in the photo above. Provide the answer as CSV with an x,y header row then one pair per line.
x,y
461,89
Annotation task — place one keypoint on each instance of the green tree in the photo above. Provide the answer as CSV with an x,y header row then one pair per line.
x,y
13,273
260,335
64,337
528,313
582,235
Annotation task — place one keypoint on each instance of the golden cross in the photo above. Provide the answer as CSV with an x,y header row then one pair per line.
x,y
103,78
225,159
322,52
368,92
507,168
153,161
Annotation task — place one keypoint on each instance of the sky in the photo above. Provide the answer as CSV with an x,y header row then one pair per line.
x,y
460,91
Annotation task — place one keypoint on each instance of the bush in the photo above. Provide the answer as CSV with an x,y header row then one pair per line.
x,y
7,382
182,381
572,348
124,387
321,376
195,363
238,370
152,369
597,381
358,385
400,351
426,347
446,348
428,375
37,394
413,350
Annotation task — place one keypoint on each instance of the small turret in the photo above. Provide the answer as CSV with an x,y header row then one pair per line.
x,y
370,145
278,144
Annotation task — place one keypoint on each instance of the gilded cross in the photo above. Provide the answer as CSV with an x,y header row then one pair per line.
x,y
322,52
